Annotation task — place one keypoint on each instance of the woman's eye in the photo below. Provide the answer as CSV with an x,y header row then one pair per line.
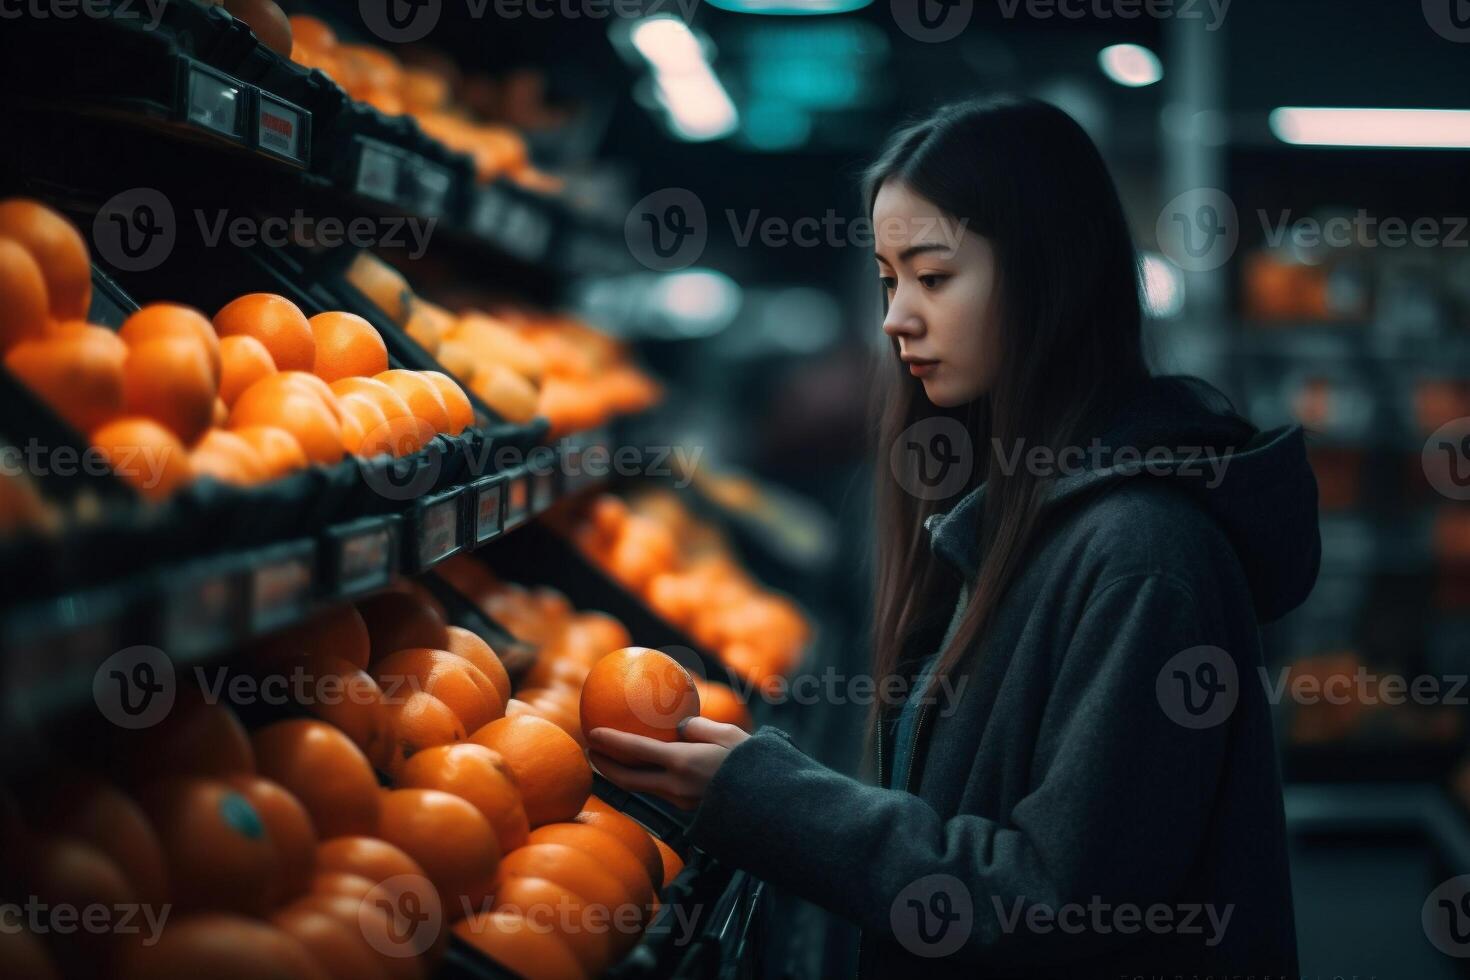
x,y
932,281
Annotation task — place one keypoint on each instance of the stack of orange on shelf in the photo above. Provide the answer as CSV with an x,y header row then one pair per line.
x,y
521,364
686,573
372,75
258,393
570,643
490,800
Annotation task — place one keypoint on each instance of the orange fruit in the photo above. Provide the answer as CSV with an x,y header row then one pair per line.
x,y
419,721
221,947
630,834
371,857
456,403
220,415
197,737
719,702
157,321
672,863
555,908
472,647
338,630
553,775
87,809
79,374
561,714
279,401
397,620
276,322
552,670
58,249
289,828
363,424
219,853
243,361
278,449
638,690
82,328
447,836
494,341
598,634
421,394
372,922
144,454
509,394
24,307
611,853
341,883
458,361
312,32
168,379
387,399
376,279
326,772
226,457
427,324
397,437
346,697
454,680
341,950
580,873
66,873
521,946
346,346
309,382
475,774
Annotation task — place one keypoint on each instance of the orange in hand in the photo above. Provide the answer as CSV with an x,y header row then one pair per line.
x,y
638,690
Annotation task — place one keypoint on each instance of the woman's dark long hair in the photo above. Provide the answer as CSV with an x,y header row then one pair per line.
x,y
1023,174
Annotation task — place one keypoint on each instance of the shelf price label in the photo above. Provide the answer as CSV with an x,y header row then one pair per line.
x,y
438,530
426,187
280,591
377,172
214,101
202,614
365,559
512,225
488,497
279,129
517,499
543,491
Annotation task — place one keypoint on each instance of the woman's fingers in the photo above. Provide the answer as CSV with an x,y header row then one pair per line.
x,y
697,729
633,778
627,745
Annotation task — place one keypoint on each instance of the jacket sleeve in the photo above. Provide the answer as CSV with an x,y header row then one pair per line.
x,y
1120,796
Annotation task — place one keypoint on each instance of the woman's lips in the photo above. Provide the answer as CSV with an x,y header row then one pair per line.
x,y
922,369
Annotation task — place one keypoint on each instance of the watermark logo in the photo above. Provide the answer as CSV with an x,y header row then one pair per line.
x,y
1446,917
1212,12
667,230
1199,229
1198,687
1446,459
400,21
933,916
135,230
933,458
1450,19
932,21
134,688
409,474
401,917
1102,918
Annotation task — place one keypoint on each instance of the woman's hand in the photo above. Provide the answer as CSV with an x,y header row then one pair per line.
x,y
675,771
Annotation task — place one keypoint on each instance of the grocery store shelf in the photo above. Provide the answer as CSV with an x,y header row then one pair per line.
x,y
202,78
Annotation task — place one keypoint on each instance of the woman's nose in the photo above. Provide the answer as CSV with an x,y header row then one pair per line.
x,y
900,322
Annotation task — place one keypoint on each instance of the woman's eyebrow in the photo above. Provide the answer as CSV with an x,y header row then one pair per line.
x,y
915,250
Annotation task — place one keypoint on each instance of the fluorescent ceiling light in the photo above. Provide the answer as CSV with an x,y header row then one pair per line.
x,y
1421,128
1132,65
698,106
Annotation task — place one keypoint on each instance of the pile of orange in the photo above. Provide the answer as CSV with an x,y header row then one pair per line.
x,y
370,74
686,573
257,393
520,363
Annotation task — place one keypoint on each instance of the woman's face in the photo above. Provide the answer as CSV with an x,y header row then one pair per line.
x,y
940,281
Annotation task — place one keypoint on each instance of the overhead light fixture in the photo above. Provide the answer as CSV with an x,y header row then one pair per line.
x,y
790,8
1398,128
697,104
1132,65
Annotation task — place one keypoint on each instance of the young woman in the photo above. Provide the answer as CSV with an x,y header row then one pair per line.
x,y
1077,775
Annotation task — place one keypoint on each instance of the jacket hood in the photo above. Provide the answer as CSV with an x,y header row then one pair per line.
x,y
1257,484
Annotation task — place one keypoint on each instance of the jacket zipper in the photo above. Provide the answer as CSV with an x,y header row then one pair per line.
x,y
908,778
